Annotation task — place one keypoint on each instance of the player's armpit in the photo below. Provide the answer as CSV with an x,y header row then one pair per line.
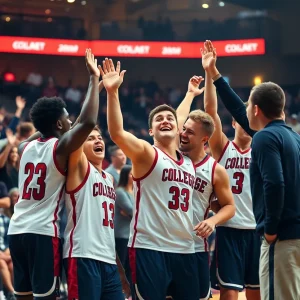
x,y
141,153
77,169
224,195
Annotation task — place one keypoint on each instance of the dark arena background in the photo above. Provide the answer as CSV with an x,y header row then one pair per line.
x,y
42,49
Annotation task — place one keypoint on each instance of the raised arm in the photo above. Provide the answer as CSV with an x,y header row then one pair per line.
x,y
231,100
139,151
184,107
223,192
74,138
218,139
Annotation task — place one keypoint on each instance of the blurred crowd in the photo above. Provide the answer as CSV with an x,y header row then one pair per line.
x,y
137,99
160,29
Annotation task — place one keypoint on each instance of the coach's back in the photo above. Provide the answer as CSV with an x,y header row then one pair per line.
x,y
283,144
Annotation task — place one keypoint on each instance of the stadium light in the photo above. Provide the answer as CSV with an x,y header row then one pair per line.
x,y
205,5
7,19
221,3
71,1
83,2
257,80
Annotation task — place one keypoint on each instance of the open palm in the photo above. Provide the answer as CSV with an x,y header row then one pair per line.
x,y
193,86
91,63
112,77
209,55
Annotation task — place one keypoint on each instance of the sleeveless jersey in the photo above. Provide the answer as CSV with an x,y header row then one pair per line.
x,y
163,210
202,196
237,165
41,188
90,227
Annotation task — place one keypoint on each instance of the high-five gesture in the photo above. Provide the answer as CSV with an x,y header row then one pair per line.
x,y
91,63
209,56
112,77
193,86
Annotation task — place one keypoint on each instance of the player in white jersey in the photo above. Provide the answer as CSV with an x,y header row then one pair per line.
x,y
211,180
161,241
34,227
89,249
238,245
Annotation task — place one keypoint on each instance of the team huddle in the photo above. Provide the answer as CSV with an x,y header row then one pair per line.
x,y
176,184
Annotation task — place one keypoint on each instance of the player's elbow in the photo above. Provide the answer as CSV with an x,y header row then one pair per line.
x,y
116,136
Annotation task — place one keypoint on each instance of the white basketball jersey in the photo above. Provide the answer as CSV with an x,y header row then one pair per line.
x,y
90,227
237,165
163,212
41,188
202,196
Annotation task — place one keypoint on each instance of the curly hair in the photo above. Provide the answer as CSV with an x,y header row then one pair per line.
x,y
45,113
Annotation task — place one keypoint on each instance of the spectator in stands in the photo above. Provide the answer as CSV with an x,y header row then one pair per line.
x,y
50,90
6,268
73,98
13,195
9,162
294,124
20,103
118,160
123,215
4,199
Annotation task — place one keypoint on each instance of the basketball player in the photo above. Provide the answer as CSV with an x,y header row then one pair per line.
x,y
89,248
238,245
161,241
211,180
34,227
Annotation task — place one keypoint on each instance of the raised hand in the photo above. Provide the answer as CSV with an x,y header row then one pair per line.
x,y
209,56
193,86
20,102
112,77
91,63
11,138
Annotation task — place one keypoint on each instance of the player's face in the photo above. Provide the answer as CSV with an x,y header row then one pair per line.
x,y
64,122
192,136
94,147
13,155
164,126
240,132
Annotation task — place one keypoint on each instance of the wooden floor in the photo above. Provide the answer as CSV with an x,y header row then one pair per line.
x,y
241,296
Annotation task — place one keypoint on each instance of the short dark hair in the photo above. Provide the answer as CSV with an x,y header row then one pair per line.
x,y
158,109
45,113
97,128
25,129
270,98
112,150
123,181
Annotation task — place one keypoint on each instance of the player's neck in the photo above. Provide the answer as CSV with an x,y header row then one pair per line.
x,y
169,148
98,166
243,145
197,156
